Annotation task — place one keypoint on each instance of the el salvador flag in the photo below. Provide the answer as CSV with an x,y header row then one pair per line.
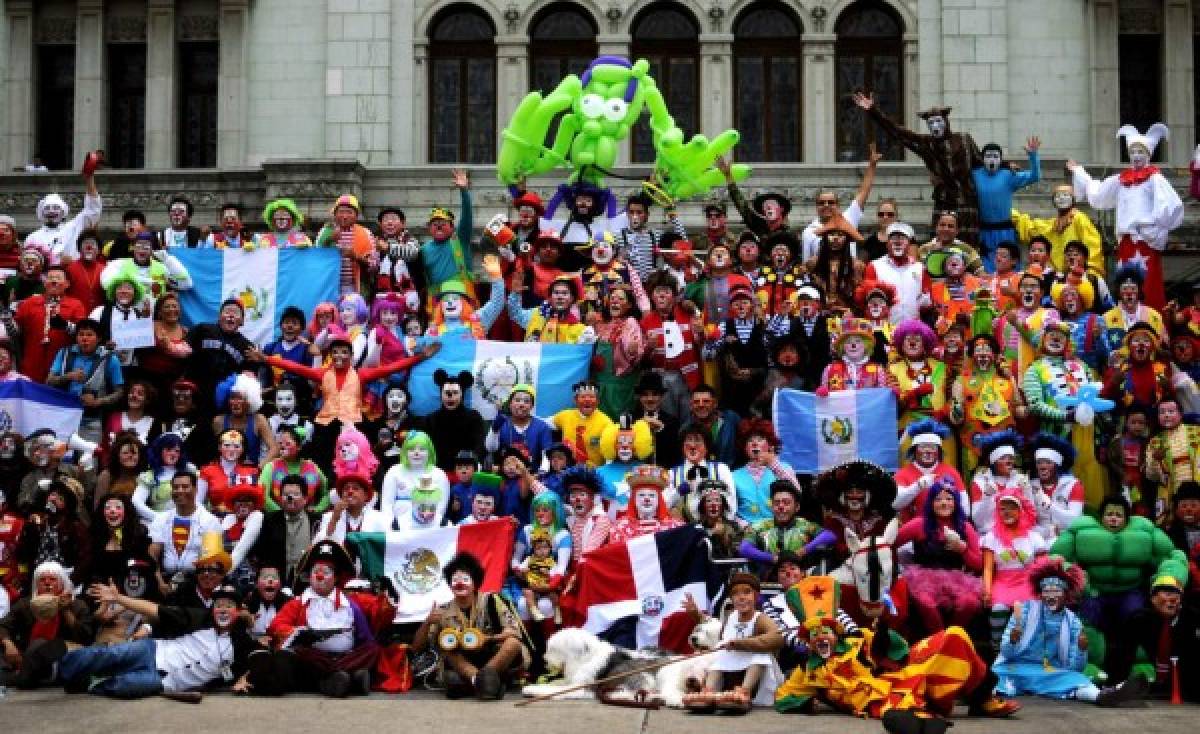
x,y
820,433
26,406
266,281
552,369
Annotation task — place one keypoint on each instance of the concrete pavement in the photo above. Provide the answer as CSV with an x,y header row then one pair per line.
x,y
51,711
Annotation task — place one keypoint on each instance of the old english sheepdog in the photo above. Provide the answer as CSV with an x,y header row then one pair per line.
x,y
583,658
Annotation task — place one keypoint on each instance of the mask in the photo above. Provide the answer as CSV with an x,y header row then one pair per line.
x,y
991,160
1063,200
936,125
285,403
396,402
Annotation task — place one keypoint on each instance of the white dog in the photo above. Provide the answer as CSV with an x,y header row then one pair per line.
x,y
583,658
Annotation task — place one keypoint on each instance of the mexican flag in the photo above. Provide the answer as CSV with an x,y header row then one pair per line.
x,y
413,560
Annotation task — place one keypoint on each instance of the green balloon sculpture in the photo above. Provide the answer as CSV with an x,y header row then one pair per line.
x,y
597,113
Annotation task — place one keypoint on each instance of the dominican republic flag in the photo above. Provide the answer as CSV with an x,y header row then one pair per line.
x,y
552,369
413,560
820,433
632,592
266,281
26,406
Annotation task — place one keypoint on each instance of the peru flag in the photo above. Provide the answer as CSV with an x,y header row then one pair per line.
x,y
632,593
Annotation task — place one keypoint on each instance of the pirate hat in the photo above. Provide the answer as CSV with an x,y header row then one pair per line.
x,y
330,551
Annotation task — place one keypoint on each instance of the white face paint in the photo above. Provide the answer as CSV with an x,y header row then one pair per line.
x,y
602,252
624,447
389,317
285,403
53,214
854,348
348,451
396,402
1063,200
646,502
1139,156
349,314
452,306
936,125
991,160
418,457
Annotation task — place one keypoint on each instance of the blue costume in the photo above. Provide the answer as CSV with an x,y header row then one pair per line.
x,y
995,192
1046,660
537,436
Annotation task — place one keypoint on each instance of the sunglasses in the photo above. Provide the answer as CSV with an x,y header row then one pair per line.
x,y
826,202
887,215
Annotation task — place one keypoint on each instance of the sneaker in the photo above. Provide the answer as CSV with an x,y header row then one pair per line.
x,y
361,680
1131,692
488,686
996,708
456,686
335,685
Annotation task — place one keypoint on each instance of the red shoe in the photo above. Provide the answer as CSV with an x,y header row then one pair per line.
x,y
998,708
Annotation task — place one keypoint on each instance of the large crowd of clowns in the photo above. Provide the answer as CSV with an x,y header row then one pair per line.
x,y
1046,514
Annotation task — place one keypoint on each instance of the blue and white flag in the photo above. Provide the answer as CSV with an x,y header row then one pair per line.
x,y
27,406
820,433
266,281
552,370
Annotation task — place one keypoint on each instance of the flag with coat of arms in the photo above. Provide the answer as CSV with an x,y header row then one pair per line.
x,y
818,433
495,367
27,406
264,281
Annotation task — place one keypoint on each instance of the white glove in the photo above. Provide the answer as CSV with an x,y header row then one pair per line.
x,y
406,250
587,336
1085,414
159,255
507,253
412,301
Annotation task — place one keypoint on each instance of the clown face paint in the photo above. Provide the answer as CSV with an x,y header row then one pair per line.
x,y
417,456
1053,598
748,254
288,447
1054,342
452,395
983,356
114,512
581,501
1047,470
462,585
955,266
544,516
396,401
452,306
49,584
584,204
991,160
664,299
53,215
936,125
624,446
586,402
602,252
927,454
824,642
913,346
1169,416
282,219
898,246
781,255
719,258
1141,346
646,502
268,583
231,450
285,402
1031,293
322,578
230,318
441,229
224,613
1139,156
1063,200
854,348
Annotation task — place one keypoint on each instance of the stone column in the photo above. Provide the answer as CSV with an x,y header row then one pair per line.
x,y
512,78
911,100
1178,90
716,83
90,94
18,120
820,92
1105,80
419,133
162,110
232,133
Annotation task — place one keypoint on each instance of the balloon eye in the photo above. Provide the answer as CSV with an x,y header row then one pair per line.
x,y
615,110
592,106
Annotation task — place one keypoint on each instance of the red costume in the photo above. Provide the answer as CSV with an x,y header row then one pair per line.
x,y
39,342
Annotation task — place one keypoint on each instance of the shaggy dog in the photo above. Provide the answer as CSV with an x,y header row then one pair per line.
x,y
582,658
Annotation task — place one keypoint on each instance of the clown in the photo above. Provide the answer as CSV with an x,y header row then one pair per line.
x,y
542,573
811,328
984,398
750,491
620,345
647,511
1053,459
556,320
1089,340
995,184
1147,207
875,673
1141,374
740,347
165,456
588,523
920,379
605,274
1129,309
285,225
858,498
352,511
352,317
954,294
287,412
396,247
926,465
27,281
1009,549
240,529
998,475
1019,330
446,255
711,293
352,454
747,260
625,446
853,369
126,300
697,466
58,235
387,342
1044,650
1125,455
1056,375
425,500
455,315
154,268
1069,224
290,464
834,268
331,644
590,216
582,426
1172,457
416,470
874,300
903,272
219,480
785,530
181,232
241,396
516,424
229,235
639,243
454,427
355,243
484,498
781,275
764,215
950,157
12,571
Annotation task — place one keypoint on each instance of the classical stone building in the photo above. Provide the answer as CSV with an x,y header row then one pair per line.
x,y
303,97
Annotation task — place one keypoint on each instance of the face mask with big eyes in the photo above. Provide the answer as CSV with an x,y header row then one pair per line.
x,y
991,160
592,105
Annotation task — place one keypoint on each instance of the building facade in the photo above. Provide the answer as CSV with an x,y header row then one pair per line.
x,y
163,84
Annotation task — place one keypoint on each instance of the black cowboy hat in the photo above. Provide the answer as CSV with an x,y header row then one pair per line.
x,y
784,203
876,480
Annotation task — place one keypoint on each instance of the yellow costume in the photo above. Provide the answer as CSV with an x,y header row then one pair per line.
x,y
575,429
1080,228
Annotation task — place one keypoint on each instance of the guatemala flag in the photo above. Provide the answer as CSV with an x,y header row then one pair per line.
x,y
819,433
632,593
552,370
266,281
413,560
26,406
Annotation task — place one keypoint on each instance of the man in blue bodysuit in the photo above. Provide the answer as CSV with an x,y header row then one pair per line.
x,y
995,184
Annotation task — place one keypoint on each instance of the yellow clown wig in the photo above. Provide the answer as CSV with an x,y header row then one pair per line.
x,y
643,439
1087,294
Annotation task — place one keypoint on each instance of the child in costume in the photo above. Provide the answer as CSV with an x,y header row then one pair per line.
x,y
485,498
355,243
1172,457
557,319
538,569
454,313
542,573
1125,453
1044,649
466,463
396,248
353,315
387,342
1009,550
874,300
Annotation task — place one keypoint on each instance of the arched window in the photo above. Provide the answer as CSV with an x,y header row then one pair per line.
x,y
562,42
462,87
667,36
767,84
869,57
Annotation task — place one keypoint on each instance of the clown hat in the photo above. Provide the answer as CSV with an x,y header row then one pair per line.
x,y
869,289
852,326
454,286
1149,140
349,200
1053,570
547,237
1087,294
815,600
1058,450
212,552
441,213
994,445
581,476
859,474
357,480
646,476
1143,327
